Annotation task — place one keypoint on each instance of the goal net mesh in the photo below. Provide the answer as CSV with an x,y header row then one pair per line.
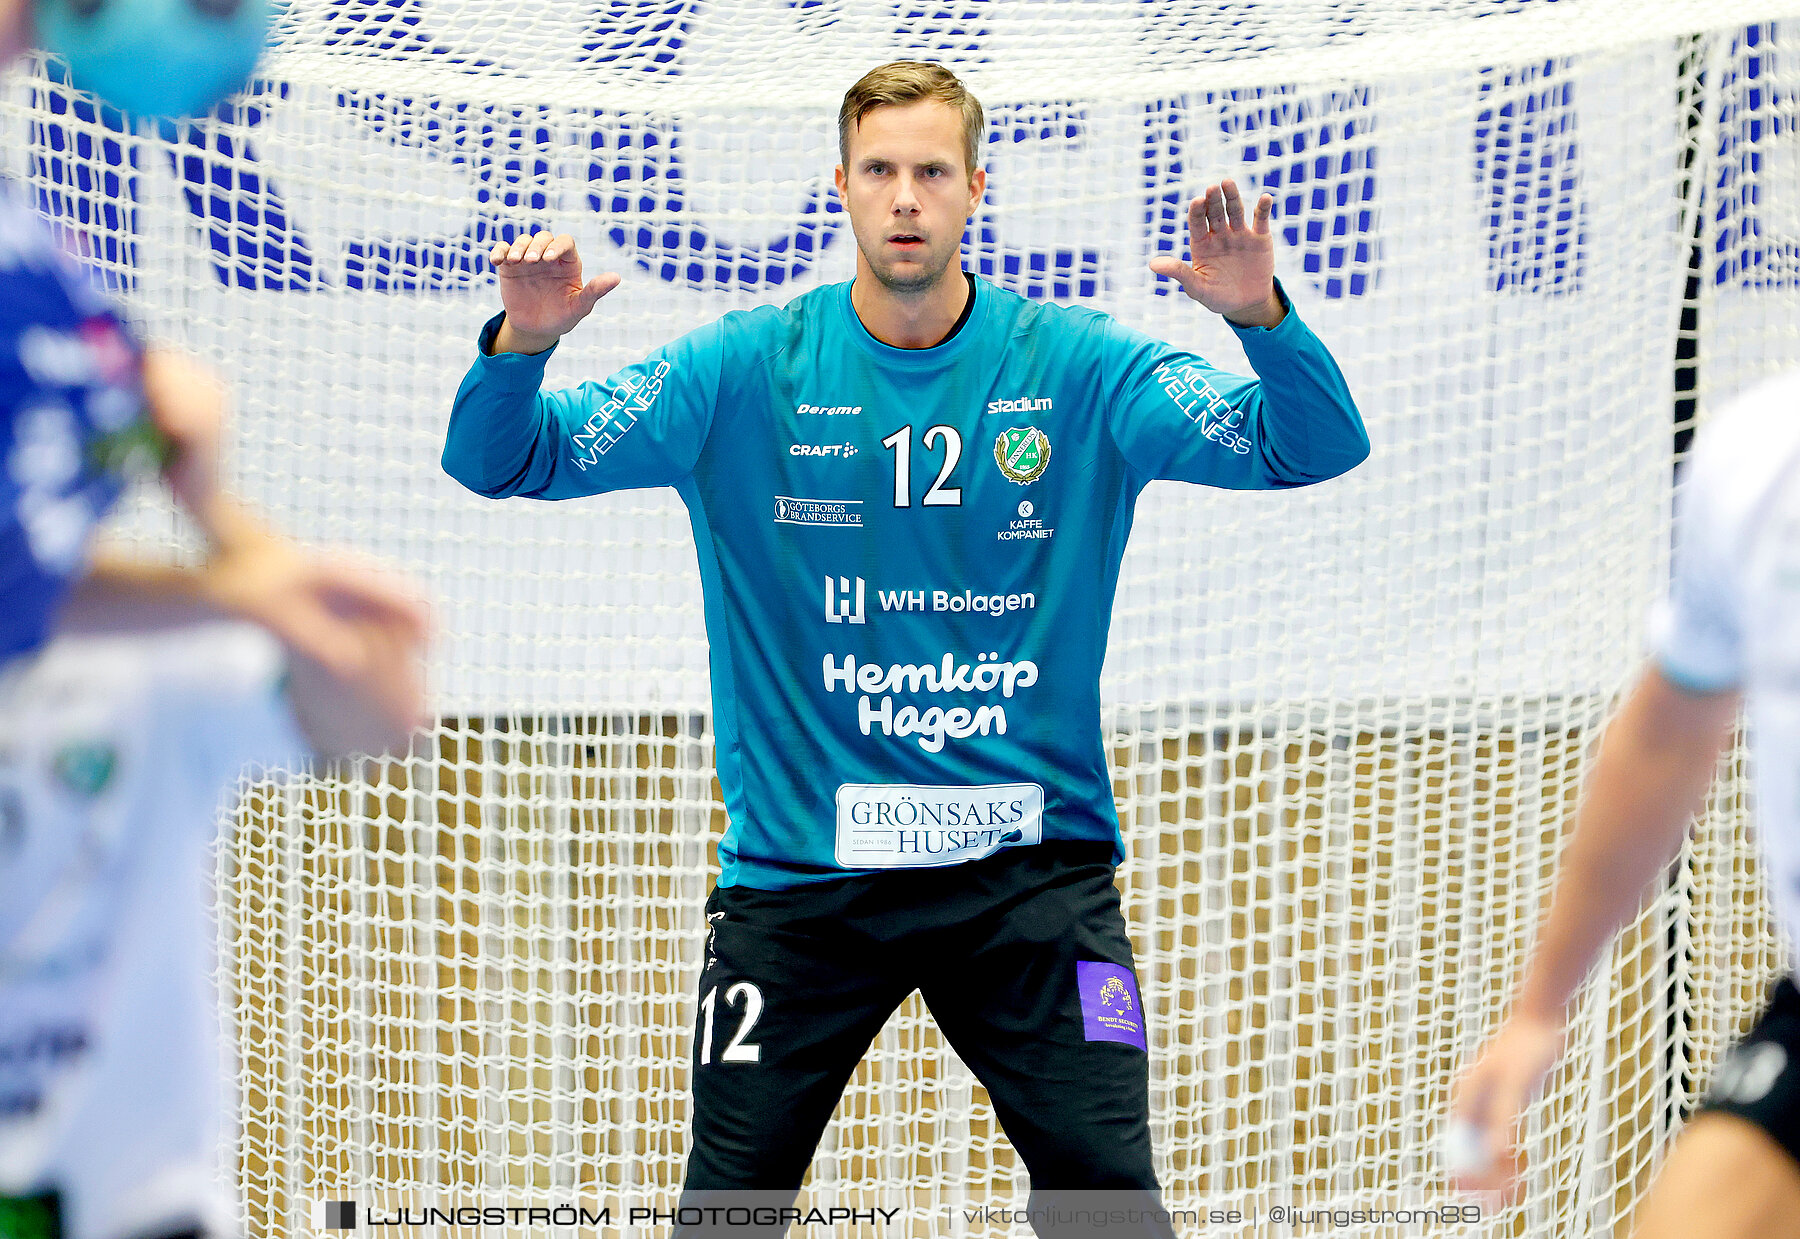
x,y
1349,724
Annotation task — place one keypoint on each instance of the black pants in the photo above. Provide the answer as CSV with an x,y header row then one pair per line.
x,y
1759,1079
1021,957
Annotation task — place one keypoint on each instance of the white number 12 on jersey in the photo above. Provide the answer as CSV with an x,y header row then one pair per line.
x,y
939,496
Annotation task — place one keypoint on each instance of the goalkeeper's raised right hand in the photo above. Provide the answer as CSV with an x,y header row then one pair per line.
x,y
542,292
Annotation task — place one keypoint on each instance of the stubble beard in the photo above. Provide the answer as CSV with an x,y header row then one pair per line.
x,y
915,284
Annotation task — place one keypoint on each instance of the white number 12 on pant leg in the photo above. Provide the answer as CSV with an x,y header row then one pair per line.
x,y
751,999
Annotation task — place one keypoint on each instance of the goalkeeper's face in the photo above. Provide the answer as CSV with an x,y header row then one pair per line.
x,y
909,192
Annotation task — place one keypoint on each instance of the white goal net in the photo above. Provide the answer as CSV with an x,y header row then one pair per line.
x,y
1349,723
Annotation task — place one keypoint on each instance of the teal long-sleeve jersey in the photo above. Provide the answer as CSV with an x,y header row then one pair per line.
x,y
908,556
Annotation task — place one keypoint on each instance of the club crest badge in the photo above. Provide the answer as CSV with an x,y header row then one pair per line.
x,y
1023,453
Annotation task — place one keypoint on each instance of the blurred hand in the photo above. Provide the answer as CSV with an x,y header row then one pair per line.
x,y
1232,267
1493,1094
186,404
356,635
542,292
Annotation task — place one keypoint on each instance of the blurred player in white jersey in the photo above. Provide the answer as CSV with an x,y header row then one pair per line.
x,y
132,693
1728,634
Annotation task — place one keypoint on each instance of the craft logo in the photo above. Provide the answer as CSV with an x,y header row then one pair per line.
x,y
841,606
1023,453
334,1215
792,511
823,449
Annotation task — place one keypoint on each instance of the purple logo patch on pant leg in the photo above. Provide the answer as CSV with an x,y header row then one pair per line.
x,y
1110,1010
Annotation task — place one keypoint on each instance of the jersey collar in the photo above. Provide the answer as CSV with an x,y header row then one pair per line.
x,y
918,358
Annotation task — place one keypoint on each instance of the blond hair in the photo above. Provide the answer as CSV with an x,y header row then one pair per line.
x,y
909,81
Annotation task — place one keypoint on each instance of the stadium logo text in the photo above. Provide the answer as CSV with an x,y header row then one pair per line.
x,y
1025,404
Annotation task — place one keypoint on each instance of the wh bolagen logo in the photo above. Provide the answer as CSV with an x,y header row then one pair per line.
x,y
842,606
844,599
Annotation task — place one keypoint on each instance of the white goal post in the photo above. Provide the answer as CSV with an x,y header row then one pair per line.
x,y
1348,723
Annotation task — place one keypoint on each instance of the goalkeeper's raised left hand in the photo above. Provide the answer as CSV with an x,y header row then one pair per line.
x,y
1231,267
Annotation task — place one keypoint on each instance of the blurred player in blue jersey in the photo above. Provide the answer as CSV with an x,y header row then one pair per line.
x,y
1728,635
910,494
132,692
